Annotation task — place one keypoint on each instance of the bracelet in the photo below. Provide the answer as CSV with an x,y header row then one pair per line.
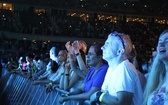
x,y
98,94
51,83
101,97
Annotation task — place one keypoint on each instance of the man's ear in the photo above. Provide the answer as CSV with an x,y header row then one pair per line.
x,y
120,51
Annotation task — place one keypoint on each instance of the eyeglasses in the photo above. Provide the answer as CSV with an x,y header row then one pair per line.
x,y
115,33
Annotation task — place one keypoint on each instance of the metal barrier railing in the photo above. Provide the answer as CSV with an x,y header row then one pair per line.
x,y
18,90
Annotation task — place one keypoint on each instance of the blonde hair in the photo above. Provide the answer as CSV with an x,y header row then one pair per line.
x,y
156,76
84,45
155,79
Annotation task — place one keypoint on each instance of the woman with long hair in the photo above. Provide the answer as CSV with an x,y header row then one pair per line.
x,y
156,92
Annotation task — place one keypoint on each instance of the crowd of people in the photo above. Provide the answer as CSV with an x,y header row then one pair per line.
x,y
142,34
107,74
134,6
103,74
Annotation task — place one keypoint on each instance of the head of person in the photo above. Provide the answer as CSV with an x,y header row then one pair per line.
x,y
162,46
94,55
62,56
21,60
53,53
40,64
116,45
29,58
36,58
158,70
83,46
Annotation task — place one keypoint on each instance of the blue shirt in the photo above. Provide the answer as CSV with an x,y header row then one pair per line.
x,y
97,79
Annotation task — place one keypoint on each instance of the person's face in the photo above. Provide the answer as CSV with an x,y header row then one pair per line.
x,y
92,58
83,46
51,55
162,47
61,56
28,59
20,60
39,64
110,48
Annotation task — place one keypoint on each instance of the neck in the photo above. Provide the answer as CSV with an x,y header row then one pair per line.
x,y
115,62
98,65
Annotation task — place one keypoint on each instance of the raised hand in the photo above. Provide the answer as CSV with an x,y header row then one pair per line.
x,y
69,47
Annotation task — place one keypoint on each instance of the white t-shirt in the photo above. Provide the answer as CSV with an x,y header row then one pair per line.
x,y
160,97
123,78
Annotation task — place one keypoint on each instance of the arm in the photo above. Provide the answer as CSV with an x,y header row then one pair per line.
x,y
66,77
83,96
73,80
44,75
73,64
123,98
70,79
77,90
82,71
42,82
61,84
77,52
37,75
77,95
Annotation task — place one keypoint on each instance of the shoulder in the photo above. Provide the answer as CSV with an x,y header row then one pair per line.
x,y
104,66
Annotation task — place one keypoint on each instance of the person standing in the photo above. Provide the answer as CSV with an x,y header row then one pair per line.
x,y
121,85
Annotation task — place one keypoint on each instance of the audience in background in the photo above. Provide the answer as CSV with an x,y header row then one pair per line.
x,y
21,61
54,75
132,58
31,66
143,35
41,68
61,58
12,63
146,67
